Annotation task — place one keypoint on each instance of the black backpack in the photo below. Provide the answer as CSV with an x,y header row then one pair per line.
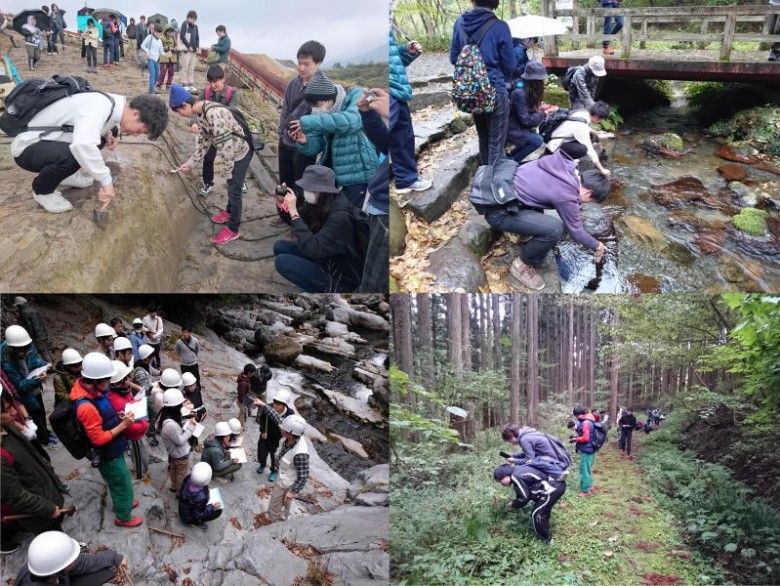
x,y
598,435
554,120
33,95
252,137
568,76
68,428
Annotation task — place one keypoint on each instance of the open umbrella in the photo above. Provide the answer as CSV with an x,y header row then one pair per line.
x,y
530,25
101,12
82,23
162,18
85,11
43,20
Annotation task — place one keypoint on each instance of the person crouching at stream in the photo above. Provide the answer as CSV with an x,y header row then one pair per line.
x,y
73,159
293,458
218,127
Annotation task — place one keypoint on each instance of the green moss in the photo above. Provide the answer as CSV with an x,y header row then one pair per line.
x,y
760,126
751,221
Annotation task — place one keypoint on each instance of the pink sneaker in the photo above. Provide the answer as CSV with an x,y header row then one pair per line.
x,y
225,236
221,218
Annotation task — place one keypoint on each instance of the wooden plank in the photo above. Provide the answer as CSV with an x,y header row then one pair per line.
x,y
644,32
692,12
627,33
728,37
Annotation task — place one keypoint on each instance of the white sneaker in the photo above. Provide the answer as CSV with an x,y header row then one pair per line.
x,y
78,180
419,185
53,202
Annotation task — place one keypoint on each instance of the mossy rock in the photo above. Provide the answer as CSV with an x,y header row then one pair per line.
x,y
758,126
751,221
668,140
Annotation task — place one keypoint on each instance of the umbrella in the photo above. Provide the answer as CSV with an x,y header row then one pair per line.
x,y
83,20
154,17
101,12
530,25
43,21
85,11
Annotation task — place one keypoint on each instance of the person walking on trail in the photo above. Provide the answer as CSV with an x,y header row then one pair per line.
x,y
216,452
153,49
626,424
584,429
67,372
218,128
72,158
585,82
531,484
31,319
153,328
168,59
191,41
187,348
498,55
120,395
19,359
612,24
270,417
105,431
175,436
194,496
293,458
33,37
55,558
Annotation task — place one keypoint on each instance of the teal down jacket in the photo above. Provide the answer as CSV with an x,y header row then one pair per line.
x,y
400,58
340,135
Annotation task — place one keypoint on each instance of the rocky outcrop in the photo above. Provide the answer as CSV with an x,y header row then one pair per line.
x,y
456,268
371,488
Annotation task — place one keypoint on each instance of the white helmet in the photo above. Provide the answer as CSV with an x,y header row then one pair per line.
x,y
170,378
294,424
188,379
70,356
122,370
235,425
122,343
201,473
283,396
145,351
103,330
222,429
17,337
172,398
138,322
96,366
19,301
51,552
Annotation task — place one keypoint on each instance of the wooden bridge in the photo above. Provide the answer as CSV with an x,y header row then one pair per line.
x,y
698,26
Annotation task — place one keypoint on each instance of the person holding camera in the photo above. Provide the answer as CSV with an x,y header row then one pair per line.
x,y
105,430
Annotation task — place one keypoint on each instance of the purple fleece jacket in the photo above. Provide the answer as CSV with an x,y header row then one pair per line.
x,y
552,183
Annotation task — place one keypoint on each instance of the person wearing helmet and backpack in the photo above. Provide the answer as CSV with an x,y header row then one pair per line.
x,y
293,458
270,417
194,496
105,429
121,394
175,436
55,558
585,448
66,373
215,452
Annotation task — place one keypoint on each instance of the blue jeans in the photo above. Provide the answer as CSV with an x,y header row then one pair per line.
x,y
491,129
235,195
310,276
117,44
402,144
154,72
108,51
612,24
520,152
546,231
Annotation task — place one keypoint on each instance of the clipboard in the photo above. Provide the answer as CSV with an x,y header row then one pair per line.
x,y
215,496
139,409
238,454
38,372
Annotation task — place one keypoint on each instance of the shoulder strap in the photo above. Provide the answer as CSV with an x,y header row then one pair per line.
x,y
207,93
484,29
6,455
69,127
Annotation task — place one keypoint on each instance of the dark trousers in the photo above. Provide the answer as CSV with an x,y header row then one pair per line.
x,y
108,51
117,51
167,69
235,195
193,368
266,447
355,194
310,276
612,24
540,517
94,578
208,166
91,55
491,129
51,44
38,415
574,149
291,166
209,517
53,162
625,440
520,152
546,231
375,271
155,355
402,144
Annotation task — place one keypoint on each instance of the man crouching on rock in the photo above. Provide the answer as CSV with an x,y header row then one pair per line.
x,y
293,459
73,159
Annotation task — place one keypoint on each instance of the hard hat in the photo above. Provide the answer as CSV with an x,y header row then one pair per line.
x,y
122,370
70,356
222,429
96,366
283,396
235,425
145,351
138,322
201,474
103,330
294,424
19,301
51,552
122,343
188,379
170,378
172,398
17,337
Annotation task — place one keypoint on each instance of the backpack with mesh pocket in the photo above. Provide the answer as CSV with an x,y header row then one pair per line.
x,y
472,91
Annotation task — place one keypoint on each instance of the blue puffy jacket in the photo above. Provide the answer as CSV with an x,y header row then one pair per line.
x,y
496,47
28,388
338,136
400,58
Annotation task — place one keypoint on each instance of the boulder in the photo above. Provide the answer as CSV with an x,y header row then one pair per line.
x,y
596,221
732,171
747,197
764,166
283,349
642,231
350,445
398,230
477,234
430,96
724,152
311,363
456,268
359,409
679,192
373,499
645,283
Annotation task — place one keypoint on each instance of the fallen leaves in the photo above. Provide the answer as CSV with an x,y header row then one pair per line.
x,y
261,520
73,474
302,550
264,492
235,522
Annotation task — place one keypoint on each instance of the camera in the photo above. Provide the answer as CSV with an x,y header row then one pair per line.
x,y
280,190
94,457
505,454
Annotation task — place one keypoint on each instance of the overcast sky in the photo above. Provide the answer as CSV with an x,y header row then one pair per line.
x,y
275,27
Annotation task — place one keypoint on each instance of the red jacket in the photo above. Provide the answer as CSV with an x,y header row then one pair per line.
x,y
138,428
88,416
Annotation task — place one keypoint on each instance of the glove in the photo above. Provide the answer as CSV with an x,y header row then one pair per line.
x,y
29,432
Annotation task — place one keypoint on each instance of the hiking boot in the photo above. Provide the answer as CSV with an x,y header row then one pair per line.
x,y
221,218
53,202
227,235
526,275
419,185
272,477
131,522
609,51
260,469
206,189
78,180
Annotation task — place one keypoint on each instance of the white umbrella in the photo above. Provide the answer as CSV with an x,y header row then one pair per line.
x,y
531,25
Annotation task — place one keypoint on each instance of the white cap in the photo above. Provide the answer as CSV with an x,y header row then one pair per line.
x,y
51,552
145,351
71,356
122,370
222,429
188,379
138,322
122,343
201,473
596,64
235,425
97,366
172,398
17,337
102,330
170,378
283,396
294,424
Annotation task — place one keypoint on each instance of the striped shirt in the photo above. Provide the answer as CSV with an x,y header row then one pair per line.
x,y
301,463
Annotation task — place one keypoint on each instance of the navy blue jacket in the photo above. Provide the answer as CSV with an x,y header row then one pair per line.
x,y
194,42
522,121
379,184
496,46
193,502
